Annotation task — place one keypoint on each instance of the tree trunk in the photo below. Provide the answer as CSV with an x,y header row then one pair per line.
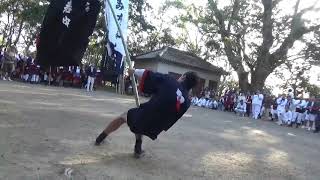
x,y
258,78
19,33
295,87
11,31
243,81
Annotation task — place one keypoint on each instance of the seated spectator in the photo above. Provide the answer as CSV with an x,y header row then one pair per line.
x,y
274,112
215,105
194,100
33,72
287,117
221,104
209,104
45,78
26,76
241,108
67,78
202,102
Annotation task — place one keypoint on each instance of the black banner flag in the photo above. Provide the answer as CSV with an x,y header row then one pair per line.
x,y
65,31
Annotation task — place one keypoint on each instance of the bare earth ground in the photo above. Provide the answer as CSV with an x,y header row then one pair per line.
x,y
44,130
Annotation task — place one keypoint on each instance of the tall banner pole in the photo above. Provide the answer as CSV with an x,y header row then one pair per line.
x,y
133,79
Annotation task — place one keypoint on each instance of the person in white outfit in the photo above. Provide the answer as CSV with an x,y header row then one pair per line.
x,y
301,106
290,93
202,102
209,104
241,108
256,104
292,105
287,117
215,105
281,108
194,100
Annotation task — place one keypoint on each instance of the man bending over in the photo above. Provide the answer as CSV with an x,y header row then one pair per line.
x,y
169,101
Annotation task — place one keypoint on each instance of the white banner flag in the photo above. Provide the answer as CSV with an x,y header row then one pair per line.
x,y
121,8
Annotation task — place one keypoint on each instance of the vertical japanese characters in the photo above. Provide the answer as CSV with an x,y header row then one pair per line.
x,y
66,13
115,43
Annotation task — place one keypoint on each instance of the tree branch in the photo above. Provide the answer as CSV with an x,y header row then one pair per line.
x,y
312,7
219,17
296,7
294,35
246,58
236,8
267,27
19,32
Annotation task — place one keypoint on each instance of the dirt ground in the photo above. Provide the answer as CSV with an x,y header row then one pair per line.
x,y
46,130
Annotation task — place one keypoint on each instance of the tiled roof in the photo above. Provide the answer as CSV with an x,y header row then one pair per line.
x,y
172,55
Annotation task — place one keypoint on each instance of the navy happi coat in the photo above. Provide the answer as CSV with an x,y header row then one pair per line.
x,y
169,101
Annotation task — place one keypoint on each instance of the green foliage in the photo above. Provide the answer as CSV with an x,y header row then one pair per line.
x,y
21,21
254,35
313,90
137,15
312,50
143,36
294,76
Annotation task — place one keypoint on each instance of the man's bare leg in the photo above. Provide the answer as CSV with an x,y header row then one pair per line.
x,y
113,126
138,152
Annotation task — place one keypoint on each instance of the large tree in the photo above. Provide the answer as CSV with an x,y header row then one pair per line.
x,y
254,35
312,50
21,20
145,35
294,75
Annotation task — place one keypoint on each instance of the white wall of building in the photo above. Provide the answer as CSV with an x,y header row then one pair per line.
x,y
166,68
150,65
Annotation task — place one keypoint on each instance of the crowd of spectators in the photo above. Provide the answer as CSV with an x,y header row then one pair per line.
x,y
286,109
23,68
